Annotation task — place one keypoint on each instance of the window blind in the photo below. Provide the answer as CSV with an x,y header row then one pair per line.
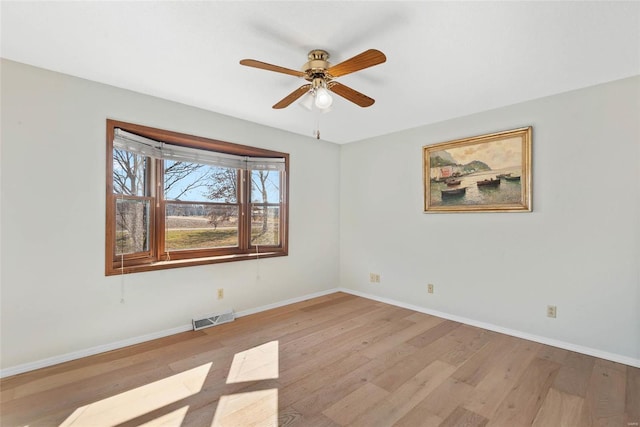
x,y
131,142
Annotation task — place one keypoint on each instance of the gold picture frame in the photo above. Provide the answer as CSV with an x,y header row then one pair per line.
x,y
486,173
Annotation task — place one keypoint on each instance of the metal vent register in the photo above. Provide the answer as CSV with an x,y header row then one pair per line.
x,y
213,320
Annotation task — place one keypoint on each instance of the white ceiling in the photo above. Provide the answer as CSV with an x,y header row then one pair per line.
x,y
444,59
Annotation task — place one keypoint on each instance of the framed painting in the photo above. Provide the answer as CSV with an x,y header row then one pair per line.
x,y
486,173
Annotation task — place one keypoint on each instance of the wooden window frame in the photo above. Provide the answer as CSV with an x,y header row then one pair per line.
x,y
156,258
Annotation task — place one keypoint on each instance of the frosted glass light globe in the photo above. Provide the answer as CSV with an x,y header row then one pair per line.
x,y
323,98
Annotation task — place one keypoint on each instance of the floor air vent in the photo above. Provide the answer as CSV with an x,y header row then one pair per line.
x,y
213,320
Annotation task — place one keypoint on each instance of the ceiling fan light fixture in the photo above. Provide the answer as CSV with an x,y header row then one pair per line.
x,y
323,98
320,73
307,101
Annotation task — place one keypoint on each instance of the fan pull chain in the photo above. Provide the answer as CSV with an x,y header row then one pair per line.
x,y
317,132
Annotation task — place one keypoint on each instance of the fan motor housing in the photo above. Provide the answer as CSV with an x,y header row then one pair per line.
x,y
317,65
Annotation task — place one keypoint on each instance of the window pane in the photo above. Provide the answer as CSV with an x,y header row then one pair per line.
x,y
132,226
223,185
129,173
265,225
200,226
265,186
199,183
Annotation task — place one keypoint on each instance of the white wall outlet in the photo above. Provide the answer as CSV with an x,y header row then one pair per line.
x,y
374,278
551,311
221,293
430,288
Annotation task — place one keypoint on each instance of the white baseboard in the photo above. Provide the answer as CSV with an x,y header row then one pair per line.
x,y
50,361
287,302
15,370
630,361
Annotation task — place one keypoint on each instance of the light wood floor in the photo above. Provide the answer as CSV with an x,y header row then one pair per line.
x,y
332,361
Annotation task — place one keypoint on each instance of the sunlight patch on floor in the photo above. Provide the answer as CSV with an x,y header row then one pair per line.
x,y
256,408
172,419
142,400
255,364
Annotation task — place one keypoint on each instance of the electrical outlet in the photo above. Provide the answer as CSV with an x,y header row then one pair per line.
x,y
551,311
220,293
374,278
430,288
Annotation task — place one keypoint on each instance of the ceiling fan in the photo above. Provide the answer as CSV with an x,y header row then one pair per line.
x,y
321,74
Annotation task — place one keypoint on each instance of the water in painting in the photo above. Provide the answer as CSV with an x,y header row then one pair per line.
x,y
480,174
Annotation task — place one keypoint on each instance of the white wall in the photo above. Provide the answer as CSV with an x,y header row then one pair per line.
x,y
579,249
55,299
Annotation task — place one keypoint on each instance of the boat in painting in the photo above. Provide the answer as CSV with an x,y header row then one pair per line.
x,y
453,192
512,178
493,182
445,172
503,175
453,182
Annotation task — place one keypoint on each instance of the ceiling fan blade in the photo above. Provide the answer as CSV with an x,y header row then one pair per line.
x,y
263,65
350,94
287,100
366,59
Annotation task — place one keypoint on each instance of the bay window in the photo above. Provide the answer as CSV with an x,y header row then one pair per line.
x,y
176,200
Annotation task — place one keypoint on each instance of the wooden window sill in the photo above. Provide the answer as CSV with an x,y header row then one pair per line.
x,y
163,265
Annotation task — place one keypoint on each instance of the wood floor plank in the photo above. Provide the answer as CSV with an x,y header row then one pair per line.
x,y
435,333
283,327
257,408
219,357
408,367
403,399
201,416
632,401
465,342
329,353
66,397
356,403
553,354
288,417
603,405
561,409
446,397
379,319
418,416
319,321
523,402
132,353
6,394
403,336
418,317
296,389
329,361
575,373
139,354
356,339
475,368
318,420
334,391
502,376
463,417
